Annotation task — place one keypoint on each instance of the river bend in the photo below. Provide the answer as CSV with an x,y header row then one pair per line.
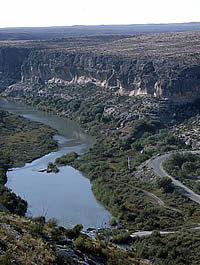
x,y
67,195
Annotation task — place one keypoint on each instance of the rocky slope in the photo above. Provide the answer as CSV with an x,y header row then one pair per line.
x,y
30,241
161,65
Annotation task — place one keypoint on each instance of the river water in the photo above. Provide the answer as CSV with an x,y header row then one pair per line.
x,y
67,195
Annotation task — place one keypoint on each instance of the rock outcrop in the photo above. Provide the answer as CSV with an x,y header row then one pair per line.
x,y
11,60
170,77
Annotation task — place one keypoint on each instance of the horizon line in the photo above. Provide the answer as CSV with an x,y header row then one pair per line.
x,y
102,25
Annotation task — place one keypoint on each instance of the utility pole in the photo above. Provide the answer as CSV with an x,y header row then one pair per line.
x,y
129,166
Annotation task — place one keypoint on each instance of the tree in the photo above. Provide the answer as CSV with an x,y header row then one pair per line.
x,y
113,221
74,232
140,127
165,183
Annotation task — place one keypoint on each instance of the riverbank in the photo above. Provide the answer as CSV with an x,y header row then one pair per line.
x,y
21,141
34,241
66,196
111,164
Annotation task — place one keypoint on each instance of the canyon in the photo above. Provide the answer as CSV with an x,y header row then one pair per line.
x,y
161,65
138,94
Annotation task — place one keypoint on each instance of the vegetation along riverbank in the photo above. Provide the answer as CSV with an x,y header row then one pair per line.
x,y
21,141
117,165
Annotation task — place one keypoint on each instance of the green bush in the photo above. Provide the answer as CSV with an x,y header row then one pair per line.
x,y
166,184
12,202
74,232
66,159
113,221
3,177
5,259
52,168
52,222
37,229
185,167
40,219
121,238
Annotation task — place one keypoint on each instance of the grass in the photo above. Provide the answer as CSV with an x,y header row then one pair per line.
x,y
28,241
116,187
20,246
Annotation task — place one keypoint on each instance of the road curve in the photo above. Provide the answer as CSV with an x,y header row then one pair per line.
x,y
156,164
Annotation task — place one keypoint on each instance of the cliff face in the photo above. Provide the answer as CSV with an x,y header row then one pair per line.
x,y
161,78
170,79
11,60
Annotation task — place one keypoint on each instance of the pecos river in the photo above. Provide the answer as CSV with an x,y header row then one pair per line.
x,y
67,195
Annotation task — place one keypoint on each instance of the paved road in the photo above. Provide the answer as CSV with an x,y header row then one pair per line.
x,y
156,164
148,233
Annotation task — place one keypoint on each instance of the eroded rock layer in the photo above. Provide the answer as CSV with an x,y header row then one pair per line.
x,y
144,65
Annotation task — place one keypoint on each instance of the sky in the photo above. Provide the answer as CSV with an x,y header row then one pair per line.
x,y
35,13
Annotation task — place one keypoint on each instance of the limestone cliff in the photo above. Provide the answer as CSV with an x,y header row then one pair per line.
x,y
11,60
165,76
